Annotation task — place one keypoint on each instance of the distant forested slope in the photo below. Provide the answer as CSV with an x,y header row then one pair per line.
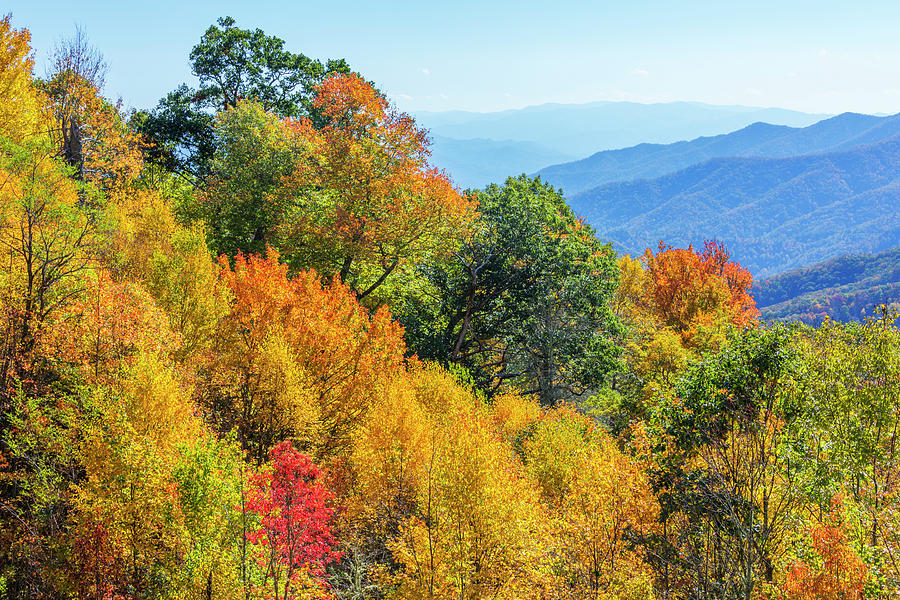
x,y
846,288
647,161
772,214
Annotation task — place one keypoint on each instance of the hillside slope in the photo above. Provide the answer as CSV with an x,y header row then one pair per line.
x,y
772,214
845,288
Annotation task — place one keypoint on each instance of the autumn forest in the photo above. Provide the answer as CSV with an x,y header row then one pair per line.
x,y
255,346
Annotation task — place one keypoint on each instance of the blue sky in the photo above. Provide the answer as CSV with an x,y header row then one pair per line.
x,y
824,57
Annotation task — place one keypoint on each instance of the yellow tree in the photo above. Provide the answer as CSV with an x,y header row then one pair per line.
x,y
45,240
171,261
679,303
474,526
601,504
22,112
128,523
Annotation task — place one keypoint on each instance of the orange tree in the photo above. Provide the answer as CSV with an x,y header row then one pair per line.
x,y
677,304
90,132
833,571
295,358
354,198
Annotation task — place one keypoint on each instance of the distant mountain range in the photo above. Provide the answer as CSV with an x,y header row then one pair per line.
x,y
772,214
475,163
845,288
481,148
647,161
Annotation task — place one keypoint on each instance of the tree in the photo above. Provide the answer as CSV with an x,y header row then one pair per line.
x,y
599,504
694,292
525,301
475,528
23,111
677,303
727,483
231,64
45,237
839,574
171,262
849,420
242,204
294,543
104,329
90,132
295,358
370,207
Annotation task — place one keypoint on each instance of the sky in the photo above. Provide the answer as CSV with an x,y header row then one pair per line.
x,y
813,56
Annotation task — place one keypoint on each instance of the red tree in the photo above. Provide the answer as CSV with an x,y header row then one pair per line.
x,y
295,541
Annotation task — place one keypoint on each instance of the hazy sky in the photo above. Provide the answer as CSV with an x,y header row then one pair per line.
x,y
815,56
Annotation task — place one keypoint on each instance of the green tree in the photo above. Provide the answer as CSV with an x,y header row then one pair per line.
x,y
726,483
255,151
231,64
525,300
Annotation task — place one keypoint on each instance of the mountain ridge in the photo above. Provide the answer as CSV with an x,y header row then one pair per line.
x,y
847,287
773,214
579,130
648,161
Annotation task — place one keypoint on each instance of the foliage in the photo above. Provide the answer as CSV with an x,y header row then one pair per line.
x,y
369,206
231,64
294,542
89,131
295,358
724,478
526,300
46,235
23,112
353,198
678,303
841,575
176,426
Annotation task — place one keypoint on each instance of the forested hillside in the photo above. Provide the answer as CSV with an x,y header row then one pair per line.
x,y
775,214
845,288
254,346
649,161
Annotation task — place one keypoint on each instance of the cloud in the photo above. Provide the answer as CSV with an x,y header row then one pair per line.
x,y
753,92
823,52
425,70
641,72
